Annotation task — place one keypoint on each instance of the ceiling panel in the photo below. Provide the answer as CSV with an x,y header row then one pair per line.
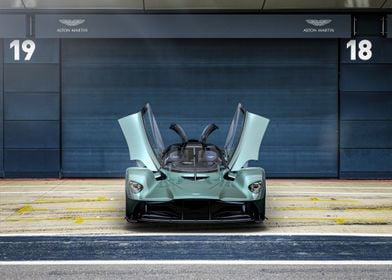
x,y
11,4
196,4
388,4
84,4
321,4
203,4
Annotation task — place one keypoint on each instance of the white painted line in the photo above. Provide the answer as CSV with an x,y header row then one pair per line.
x,y
193,262
269,192
163,234
62,192
337,194
377,186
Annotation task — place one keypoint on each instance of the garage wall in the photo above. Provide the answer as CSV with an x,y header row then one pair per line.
x,y
366,112
193,83
2,111
31,111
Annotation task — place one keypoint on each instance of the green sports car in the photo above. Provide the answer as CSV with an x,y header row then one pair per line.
x,y
194,180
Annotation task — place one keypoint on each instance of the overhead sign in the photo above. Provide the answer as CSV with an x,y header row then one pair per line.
x,y
192,26
366,50
31,50
12,26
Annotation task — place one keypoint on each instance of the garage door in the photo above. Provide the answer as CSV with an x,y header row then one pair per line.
x,y
194,82
2,110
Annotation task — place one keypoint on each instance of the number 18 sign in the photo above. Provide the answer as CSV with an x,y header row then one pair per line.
x,y
363,49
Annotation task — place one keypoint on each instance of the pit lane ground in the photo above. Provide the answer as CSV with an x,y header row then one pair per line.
x,y
97,207
74,229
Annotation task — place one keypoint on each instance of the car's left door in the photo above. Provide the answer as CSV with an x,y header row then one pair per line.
x,y
143,137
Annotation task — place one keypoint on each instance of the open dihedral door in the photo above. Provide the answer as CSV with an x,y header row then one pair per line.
x,y
143,137
244,138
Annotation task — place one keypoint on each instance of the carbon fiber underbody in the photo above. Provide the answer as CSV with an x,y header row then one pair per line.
x,y
189,211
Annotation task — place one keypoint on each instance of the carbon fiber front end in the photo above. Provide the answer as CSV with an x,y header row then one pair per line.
x,y
198,211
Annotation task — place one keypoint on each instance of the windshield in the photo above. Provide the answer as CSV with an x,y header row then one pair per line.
x,y
152,131
235,131
193,157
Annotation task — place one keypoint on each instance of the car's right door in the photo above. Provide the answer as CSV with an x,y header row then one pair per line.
x,y
244,138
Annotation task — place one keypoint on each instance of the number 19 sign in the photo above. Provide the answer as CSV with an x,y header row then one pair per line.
x,y
28,48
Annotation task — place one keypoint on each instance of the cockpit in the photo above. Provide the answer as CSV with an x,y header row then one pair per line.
x,y
193,156
146,145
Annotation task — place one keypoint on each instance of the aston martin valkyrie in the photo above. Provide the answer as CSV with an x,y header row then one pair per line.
x,y
194,180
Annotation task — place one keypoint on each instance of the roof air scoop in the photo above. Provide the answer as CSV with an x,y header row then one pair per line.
x,y
207,131
180,131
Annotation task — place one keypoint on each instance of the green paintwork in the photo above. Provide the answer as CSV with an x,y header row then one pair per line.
x,y
180,185
136,137
250,141
248,147
215,187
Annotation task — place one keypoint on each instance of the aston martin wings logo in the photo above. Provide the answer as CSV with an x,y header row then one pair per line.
x,y
72,22
319,22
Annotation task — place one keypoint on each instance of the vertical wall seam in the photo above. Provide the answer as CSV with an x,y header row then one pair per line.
x,y
338,105
3,106
60,111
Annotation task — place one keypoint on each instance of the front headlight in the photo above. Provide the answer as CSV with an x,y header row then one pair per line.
x,y
135,187
256,187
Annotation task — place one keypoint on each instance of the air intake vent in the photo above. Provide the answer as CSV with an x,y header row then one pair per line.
x,y
195,178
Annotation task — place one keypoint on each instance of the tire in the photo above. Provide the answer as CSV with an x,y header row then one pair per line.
x,y
262,210
129,210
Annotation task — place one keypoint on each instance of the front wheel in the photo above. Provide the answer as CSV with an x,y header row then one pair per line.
x,y
130,212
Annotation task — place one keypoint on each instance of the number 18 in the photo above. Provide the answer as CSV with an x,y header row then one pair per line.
x,y
364,52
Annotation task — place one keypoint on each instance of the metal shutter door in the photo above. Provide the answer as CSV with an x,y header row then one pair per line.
x,y
194,82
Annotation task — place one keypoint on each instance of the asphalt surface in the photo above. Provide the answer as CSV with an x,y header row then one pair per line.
x,y
185,247
97,206
75,229
171,272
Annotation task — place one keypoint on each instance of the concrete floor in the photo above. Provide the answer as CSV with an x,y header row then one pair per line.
x,y
192,271
87,206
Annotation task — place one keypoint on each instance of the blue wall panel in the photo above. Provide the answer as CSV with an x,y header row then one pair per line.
x,y
25,77
31,162
366,163
366,112
41,106
27,134
195,82
1,111
366,134
167,52
368,105
32,111
366,77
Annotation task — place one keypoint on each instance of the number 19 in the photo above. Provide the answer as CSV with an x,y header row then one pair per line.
x,y
28,46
